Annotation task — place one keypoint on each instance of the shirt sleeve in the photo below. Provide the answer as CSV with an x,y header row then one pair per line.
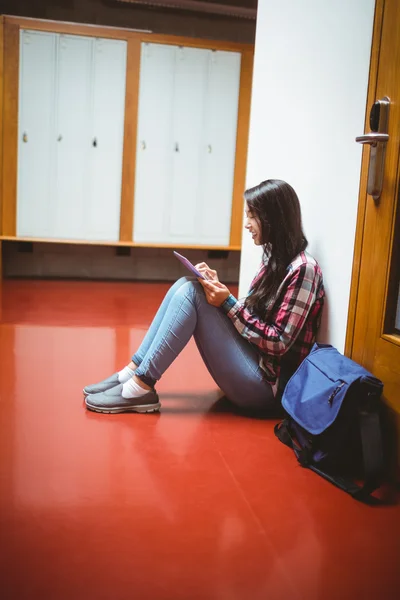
x,y
275,337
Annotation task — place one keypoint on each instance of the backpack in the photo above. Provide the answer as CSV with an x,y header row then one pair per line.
x,y
332,422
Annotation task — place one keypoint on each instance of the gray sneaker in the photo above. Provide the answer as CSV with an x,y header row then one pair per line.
x,y
112,401
102,386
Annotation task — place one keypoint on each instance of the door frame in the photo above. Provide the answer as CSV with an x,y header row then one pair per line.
x,y
363,197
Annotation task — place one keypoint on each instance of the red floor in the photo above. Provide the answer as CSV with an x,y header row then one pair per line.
x,y
194,503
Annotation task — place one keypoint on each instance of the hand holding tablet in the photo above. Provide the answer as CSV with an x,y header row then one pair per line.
x,y
189,266
215,291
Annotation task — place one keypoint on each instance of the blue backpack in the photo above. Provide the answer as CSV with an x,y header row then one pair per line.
x,y
333,420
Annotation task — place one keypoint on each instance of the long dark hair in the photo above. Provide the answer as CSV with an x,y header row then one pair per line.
x,y
276,206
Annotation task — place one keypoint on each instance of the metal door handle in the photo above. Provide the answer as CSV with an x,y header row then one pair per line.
x,y
377,139
372,138
94,142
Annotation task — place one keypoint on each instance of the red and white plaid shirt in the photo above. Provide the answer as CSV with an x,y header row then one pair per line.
x,y
291,321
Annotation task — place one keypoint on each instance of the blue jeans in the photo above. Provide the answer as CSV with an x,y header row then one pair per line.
x,y
232,361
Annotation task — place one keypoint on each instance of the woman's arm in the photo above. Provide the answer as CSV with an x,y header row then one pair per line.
x,y
277,337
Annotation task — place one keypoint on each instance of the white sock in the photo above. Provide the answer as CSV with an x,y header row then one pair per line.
x,y
125,374
131,389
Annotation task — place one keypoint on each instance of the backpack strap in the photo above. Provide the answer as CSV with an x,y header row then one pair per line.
x,y
372,449
371,441
284,434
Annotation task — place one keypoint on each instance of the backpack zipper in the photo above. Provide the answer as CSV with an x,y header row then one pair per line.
x,y
335,391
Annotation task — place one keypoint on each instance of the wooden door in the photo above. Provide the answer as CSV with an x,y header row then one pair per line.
x,y
376,273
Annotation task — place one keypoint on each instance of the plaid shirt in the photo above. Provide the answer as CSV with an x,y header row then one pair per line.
x,y
292,318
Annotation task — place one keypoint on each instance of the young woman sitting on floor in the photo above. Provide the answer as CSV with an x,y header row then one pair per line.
x,y
251,346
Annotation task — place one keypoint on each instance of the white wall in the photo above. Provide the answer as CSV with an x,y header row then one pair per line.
x,y
308,104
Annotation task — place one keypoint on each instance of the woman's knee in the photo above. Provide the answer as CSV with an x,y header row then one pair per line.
x,y
183,280
187,286
180,282
175,287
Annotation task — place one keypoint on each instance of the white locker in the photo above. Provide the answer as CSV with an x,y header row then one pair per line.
x,y
154,152
219,148
36,142
188,122
103,206
73,136
188,109
71,129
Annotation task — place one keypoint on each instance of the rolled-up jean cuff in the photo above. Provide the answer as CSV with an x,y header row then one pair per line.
x,y
135,359
147,380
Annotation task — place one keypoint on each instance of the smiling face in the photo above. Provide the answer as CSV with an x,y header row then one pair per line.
x,y
253,226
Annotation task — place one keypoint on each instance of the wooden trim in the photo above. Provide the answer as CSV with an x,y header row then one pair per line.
x,y
392,338
1,123
362,198
1,148
393,272
158,38
187,246
130,134
393,261
10,128
121,33
72,28
129,244
242,138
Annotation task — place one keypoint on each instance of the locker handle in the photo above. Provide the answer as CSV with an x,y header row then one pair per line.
x,y
176,147
95,142
59,138
209,148
25,138
143,145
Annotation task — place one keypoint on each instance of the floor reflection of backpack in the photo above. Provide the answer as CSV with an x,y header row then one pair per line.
x,y
332,422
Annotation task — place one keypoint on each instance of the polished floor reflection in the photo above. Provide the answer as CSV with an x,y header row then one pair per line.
x,y
196,503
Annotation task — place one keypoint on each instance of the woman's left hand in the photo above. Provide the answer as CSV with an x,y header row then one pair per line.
x,y
215,291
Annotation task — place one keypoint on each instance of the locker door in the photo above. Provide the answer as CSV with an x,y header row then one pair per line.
x,y
153,184
73,136
36,133
189,107
219,147
103,201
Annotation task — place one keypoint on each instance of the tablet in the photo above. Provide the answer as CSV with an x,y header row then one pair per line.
x,y
189,265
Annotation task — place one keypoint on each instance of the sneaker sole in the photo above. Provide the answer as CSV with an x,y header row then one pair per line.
x,y
140,408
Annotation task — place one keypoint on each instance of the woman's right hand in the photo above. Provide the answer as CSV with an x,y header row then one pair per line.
x,y
208,273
